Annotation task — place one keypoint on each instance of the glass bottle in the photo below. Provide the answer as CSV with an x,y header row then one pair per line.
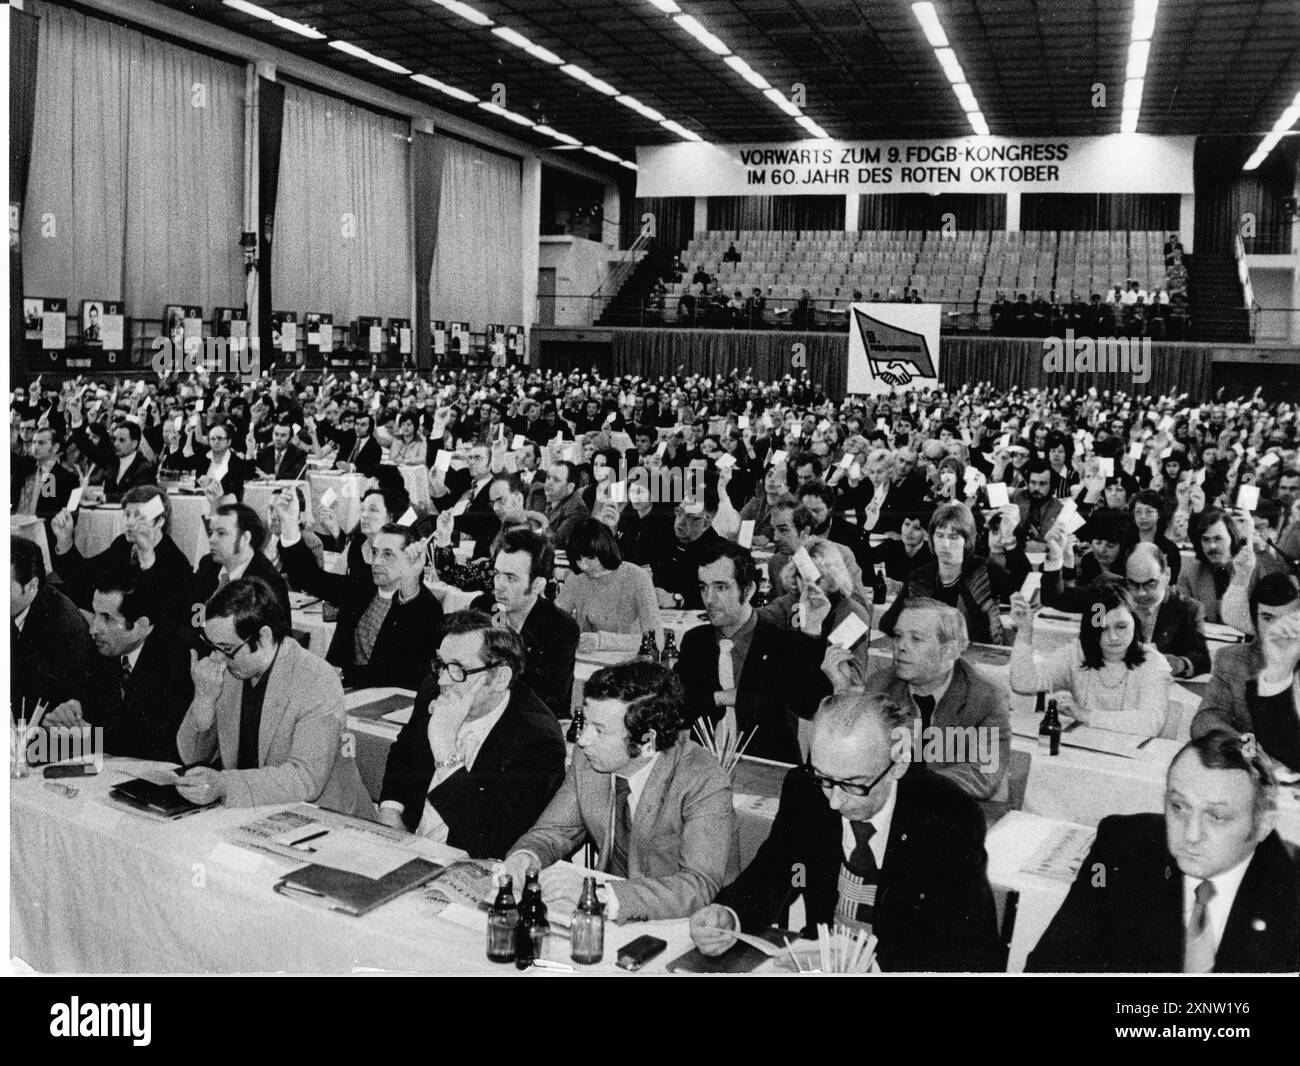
x,y
587,934
649,650
1050,730
531,927
501,924
669,656
879,590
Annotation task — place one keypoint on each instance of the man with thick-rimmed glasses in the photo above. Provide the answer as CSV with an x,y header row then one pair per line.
x,y
871,841
481,755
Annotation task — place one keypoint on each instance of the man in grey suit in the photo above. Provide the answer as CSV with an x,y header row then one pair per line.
x,y
273,712
655,803
962,722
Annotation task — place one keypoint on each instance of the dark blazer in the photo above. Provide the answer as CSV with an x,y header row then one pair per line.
x,y
142,721
516,772
677,567
291,466
780,682
550,637
478,522
169,582
1180,631
208,573
898,564
979,592
139,472
406,639
55,492
369,457
238,471
1232,702
1133,923
934,907
51,659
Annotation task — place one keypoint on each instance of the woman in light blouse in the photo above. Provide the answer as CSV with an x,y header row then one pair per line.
x,y
1111,679
612,601
409,447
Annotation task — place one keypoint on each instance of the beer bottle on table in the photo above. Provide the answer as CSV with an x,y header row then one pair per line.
x,y
878,588
587,933
669,656
1051,728
531,926
649,650
501,924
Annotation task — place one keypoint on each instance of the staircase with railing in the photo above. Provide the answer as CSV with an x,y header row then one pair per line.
x,y
1217,285
622,299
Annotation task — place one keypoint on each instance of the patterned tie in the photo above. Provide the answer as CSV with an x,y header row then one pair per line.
x,y
223,578
125,681
858,882
1198,955
726,666
622,827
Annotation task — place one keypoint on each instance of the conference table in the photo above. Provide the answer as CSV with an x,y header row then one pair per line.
x,y
98,525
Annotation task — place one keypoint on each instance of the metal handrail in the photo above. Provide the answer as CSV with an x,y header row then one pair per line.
x,y
627,263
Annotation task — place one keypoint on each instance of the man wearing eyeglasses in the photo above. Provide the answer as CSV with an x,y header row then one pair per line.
x,y
677,566
226,471
273,712
481,755
872,843
1169,620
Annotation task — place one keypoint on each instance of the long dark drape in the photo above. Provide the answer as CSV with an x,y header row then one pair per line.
x,y
1005,361
426,175
776,212
270,125
1225,193
23,32
1099,211
674,219
919,211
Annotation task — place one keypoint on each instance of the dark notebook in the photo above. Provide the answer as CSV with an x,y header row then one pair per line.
x,y
162,801
739,958
378,708
350,893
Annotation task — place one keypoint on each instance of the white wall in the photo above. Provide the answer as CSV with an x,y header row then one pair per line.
x,y
1274,279
580,266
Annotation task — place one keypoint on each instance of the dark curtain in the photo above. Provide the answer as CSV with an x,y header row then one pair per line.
x,y
674,220
1099,211
23,31
1005,361
628,223
919,211
1224,193
776,213
770,356
426,176
270,124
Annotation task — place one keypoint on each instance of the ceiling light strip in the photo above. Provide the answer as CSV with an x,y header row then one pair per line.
x,y
934,32
1281,127
1139,51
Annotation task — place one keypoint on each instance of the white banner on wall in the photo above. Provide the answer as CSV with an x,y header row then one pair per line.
x,y
1122,163
893,346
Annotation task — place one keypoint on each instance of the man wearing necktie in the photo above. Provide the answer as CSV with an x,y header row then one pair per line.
x,y
1207,887
656,804
872,842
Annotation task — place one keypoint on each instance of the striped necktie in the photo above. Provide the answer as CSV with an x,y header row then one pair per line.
x,y
1198,955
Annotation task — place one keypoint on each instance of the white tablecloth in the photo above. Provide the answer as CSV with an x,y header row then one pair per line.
x,y
257,494
98,526
99,889
347,487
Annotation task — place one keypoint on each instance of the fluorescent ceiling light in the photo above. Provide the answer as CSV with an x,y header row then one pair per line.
x,y
300,28
978,124
1288,119
966,97
563,138
252,9
1137,59
948,60
666,6
369,57
466,12
692,26
575,71
1144,20
443,87
680,130
625,163
512,116
747,72
600,152
640,108
929,20
812,127
778,97
1128,121
1133,94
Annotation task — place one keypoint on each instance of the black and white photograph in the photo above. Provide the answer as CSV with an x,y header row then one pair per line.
x,y
799,488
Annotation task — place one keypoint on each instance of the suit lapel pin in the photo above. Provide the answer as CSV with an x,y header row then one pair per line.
x,y
1259,925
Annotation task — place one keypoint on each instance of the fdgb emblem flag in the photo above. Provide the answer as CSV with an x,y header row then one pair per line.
x,y
894,346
